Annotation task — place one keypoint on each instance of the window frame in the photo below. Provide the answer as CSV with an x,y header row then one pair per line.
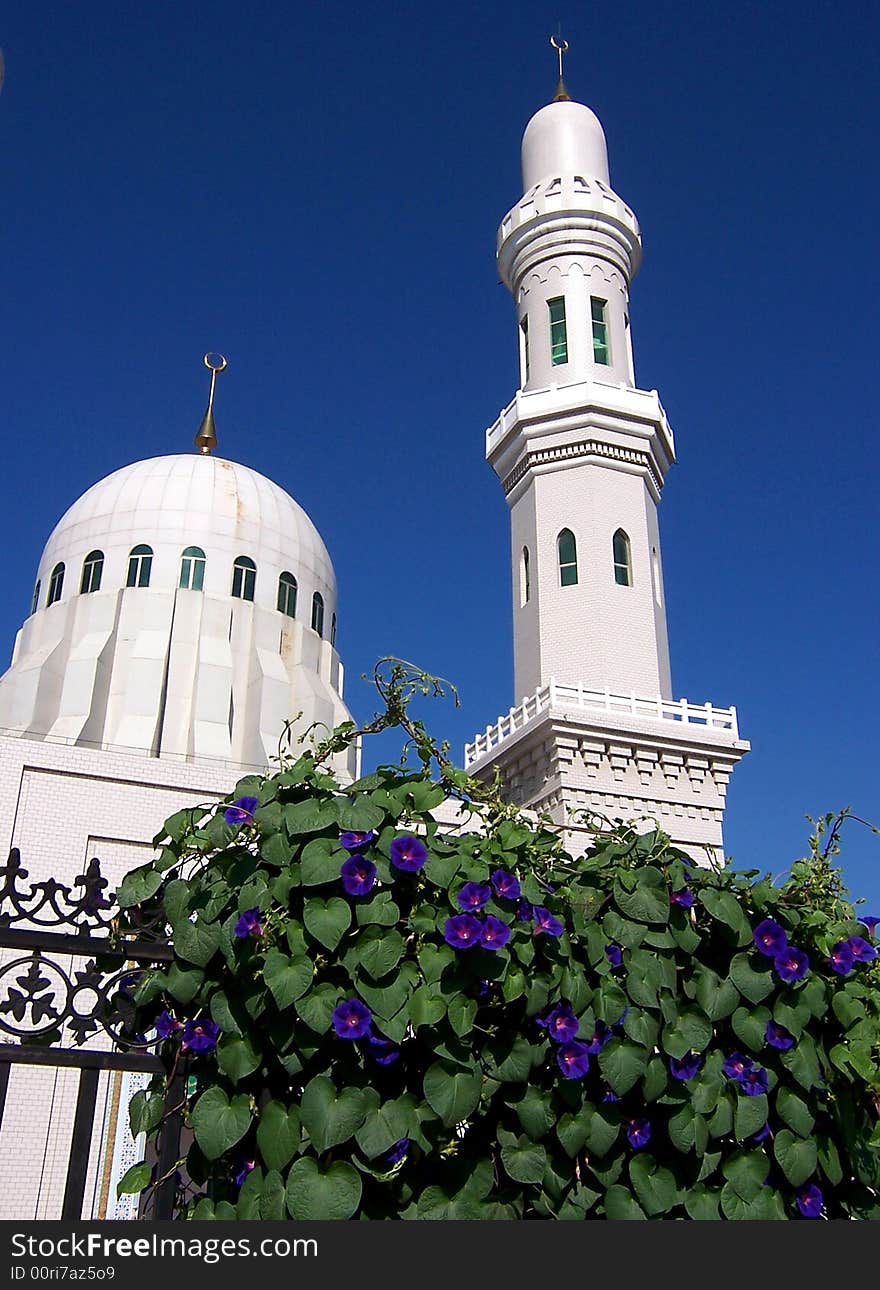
x,y
244,578
56,584
558,332
288,582
193,562
140,566
317,619
623,570
599,326
92,572
565,566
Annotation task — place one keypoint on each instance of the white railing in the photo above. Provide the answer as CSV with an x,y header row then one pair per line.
x,y
579,697
517,409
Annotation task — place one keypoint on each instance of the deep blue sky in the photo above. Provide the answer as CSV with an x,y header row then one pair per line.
x,y
314,190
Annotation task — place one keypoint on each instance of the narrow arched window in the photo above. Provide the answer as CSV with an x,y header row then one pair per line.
x,y
332,629
192,569
318,613
36,600
93,566
244,578
525,589
622,560
56,583
287,594
140,564
568,560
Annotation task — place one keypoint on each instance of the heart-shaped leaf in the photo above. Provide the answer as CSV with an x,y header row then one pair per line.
x,y
278,1134
327,920
331,1116
315,1193
219,1123
454,1094
288,978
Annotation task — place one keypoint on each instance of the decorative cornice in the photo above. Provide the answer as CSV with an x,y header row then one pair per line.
x,y
585,448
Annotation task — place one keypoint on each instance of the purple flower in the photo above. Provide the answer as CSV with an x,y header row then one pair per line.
x,y
573,1060
397,1152
601,1035
524,911
250,923
408,853
352,1019
473,896
737,1065
809,1201
244,1169
753,1082
862,951
383,1051
763,1134
495,934
358,875
791,964
870,922
505,885
686,1067
614,955
638,1133
462,931
770,938
200,1036
166,1024
683,897
610,1096
242,812
546,923
352,841
841,958
778,1037
562,1025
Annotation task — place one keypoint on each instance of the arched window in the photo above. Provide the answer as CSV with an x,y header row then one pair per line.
x,y
622,560
36,599
93,566
56,582
568,559
287,594
525,588
244,578
318,613
192,569
655,574
332,629
140,562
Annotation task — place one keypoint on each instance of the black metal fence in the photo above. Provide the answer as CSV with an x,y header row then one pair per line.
x,y
57,1012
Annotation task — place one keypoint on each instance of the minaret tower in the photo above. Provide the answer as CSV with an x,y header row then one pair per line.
x,y
582,453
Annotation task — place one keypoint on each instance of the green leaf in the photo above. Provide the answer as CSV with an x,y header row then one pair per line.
x,y
718,998
655,1081
379,950
746,1171
654,1186
440,870
287,978
648,902
183,983
754,985
683,932
750,1025
145,1112
316,1007
272,1197
750,1115
688,1131
794,1112
358,814
620,1204
196,942
461,1012
709,1164
765,1205
623,1064
425,1007
803,1063
278,1134
315,1193
535,1112
309,816
138,886
219,1123
724,906
797,1158
691,1032
175,899
702,1203
388,996
641,1027
134,1179
793,1017
237,1057
384,1126
524,1160
327,920
381,910
320,862
454,1094
510,1060
328,1115
721,1122
248,1204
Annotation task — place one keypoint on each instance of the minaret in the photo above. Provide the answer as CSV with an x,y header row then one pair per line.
x,y
582,453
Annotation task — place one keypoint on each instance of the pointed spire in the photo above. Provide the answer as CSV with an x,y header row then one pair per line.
x,y
561,46
206,436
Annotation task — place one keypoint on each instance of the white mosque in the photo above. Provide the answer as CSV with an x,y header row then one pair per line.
x,y
184,611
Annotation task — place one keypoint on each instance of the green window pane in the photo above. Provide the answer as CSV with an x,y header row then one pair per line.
x,y
568,575
566,549
558,331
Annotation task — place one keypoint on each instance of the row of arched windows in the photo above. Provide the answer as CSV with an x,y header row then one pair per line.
x,y
567,560
192,578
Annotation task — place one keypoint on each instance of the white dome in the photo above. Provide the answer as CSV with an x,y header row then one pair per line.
x,y
170,503
564,139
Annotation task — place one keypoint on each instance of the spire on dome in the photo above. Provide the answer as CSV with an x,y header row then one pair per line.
x,y
206,436
561,46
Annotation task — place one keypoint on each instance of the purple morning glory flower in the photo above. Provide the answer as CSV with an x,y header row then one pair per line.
x,y
383,1051
353,841
573,1060
809,1201
408,853
200,1036
862,951
166,1024
243,1170
685,1068
462,931
791,964
495,934
250,923
524,911
473,896
638,1133
737,1065
870,922
841,958
601,1035
397,1152
778,1037
546,923
505,884
763,1134
242,812
610,1096
683,897
562,1024
753,1082
352,1019
614,955
358,875
770,938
